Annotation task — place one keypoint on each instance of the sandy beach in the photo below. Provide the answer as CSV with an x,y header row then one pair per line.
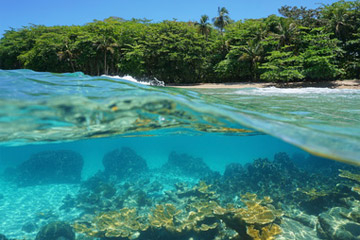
x,y
339,84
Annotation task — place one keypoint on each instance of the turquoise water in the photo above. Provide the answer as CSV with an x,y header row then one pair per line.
x,y
270,142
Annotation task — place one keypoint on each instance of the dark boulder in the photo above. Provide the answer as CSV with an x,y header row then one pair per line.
x,y
124,163
61,166
2,237
187,165
56,231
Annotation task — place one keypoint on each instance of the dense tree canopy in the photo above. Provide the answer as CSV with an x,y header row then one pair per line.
x,y
301,44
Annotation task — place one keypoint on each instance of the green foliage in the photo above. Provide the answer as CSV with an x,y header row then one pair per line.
x,y
282,66
305,44
319,56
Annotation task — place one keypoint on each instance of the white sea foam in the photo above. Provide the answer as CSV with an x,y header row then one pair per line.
x,y
127,78
300,91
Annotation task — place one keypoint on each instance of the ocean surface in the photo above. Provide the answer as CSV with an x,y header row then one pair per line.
x,y
114,158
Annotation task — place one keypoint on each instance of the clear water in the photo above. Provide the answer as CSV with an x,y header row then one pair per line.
x,y
92,116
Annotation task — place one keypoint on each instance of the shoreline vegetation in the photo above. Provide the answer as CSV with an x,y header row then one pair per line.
x,y
301,45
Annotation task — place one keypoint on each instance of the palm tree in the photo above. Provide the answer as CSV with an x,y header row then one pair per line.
x,y
287,31
222,20
252,52
204,25
106,44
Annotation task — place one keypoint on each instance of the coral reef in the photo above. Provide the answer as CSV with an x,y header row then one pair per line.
x,y
56,230
286,183
349,175
184,164
191,216
258,220
287,201
47,167
265,177
124,163
188,213
124,223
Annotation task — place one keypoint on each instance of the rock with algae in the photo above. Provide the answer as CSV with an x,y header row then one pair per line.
x,y
124,163
56,230
187,165
124,223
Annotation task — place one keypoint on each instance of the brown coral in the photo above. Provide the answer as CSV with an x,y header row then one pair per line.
x,y
349,175
164,216
254,221
124,223
168,217
312,193
265,233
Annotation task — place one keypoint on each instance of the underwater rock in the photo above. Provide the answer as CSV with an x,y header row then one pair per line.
x,y
184,164
29,227
124,163
2,237
277,178
292,229
314,192
56,231
48,167
336,225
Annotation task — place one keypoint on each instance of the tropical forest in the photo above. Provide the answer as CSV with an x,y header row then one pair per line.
x,y
295,44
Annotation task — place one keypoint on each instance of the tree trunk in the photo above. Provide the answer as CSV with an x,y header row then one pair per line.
x,y
105,66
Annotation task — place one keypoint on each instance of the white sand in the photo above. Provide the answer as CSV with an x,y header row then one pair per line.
x,y
36,204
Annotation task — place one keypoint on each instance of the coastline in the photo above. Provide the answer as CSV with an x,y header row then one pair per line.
x,y
338,84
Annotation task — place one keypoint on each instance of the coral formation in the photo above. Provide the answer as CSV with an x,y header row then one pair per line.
x,y
313,193
61,166
56,230
124,223
199,218
258,220
124,163
287,183
184,164
129,201
349,175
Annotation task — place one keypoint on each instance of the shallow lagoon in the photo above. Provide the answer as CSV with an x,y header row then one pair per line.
x,y
187,165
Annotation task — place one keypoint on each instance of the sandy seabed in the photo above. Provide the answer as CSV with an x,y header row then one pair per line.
x,y
34,204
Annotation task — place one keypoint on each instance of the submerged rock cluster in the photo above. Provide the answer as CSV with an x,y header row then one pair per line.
x,y
185,199
48,167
